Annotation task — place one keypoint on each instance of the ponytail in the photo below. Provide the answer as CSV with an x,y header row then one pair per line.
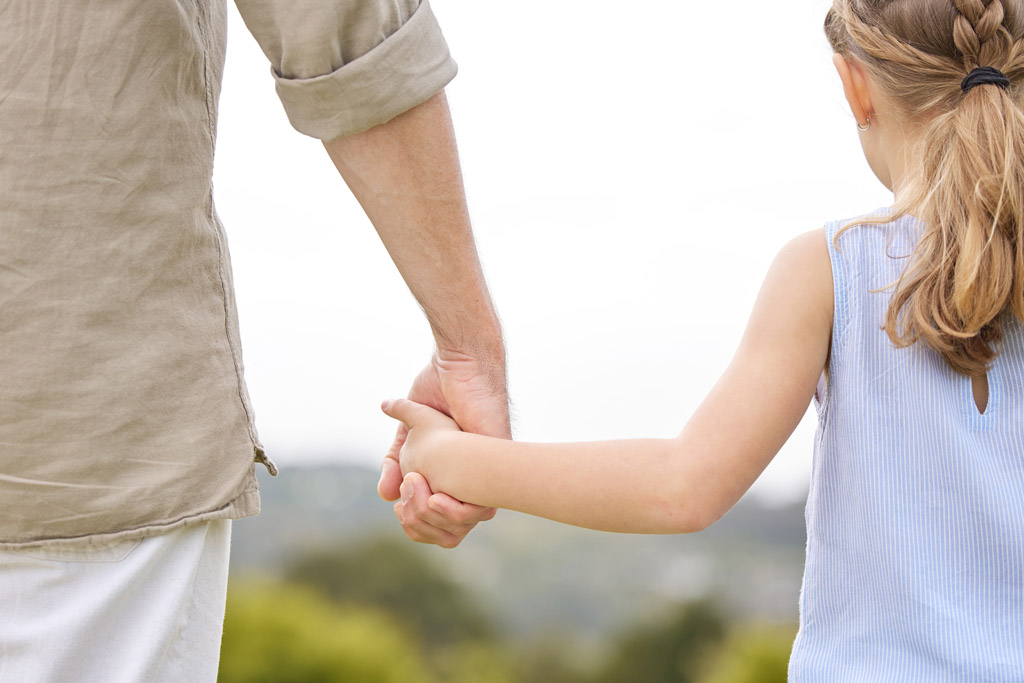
x,y
967,272
968,269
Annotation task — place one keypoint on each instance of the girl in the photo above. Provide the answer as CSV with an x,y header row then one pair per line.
x,y
906,328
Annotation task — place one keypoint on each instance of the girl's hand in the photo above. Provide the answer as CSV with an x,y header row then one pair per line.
x,y
427,432
424,514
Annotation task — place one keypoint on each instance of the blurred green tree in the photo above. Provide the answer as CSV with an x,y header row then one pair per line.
x,y
476,662
554,657
752,654
673,651
396,577
276,633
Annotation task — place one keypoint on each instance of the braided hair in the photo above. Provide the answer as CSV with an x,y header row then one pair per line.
x,y
966,181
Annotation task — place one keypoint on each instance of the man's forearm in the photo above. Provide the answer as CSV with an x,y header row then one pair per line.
x,y
406,175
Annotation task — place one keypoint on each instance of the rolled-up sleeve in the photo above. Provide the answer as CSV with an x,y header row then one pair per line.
x,y
343,66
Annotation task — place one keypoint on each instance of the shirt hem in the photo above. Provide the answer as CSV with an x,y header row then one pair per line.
x,y
247,504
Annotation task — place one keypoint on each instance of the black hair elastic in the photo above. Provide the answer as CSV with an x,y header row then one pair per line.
x,y
985,75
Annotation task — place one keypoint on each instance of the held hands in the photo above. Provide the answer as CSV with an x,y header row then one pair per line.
x,y
474,396
425,430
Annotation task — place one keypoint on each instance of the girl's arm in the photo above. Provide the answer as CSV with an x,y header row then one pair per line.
x,y
657,485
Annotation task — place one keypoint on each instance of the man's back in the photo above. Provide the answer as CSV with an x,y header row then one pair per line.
x,y
122,387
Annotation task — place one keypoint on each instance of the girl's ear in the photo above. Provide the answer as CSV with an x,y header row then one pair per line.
x,y
855,87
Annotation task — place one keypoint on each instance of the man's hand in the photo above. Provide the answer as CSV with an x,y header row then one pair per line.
x,y
473,394
406,175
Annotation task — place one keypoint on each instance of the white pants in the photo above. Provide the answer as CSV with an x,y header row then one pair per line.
x,y
142,611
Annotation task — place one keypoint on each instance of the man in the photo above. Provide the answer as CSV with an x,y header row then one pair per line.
x,y
127,441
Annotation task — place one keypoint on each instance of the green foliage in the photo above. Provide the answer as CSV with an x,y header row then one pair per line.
x,y
668,652
553,658
752,654
476,662
276,633
396,577
380,612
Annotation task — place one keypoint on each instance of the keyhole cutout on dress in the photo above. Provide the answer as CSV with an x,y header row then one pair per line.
x,y
979,386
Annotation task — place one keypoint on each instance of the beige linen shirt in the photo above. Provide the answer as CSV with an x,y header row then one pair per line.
x,y
123,410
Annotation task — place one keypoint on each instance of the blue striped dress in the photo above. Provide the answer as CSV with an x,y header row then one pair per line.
x,y
915,518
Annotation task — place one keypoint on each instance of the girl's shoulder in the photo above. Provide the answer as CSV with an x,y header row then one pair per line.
x,y
812,254
806,250
803,269
806,257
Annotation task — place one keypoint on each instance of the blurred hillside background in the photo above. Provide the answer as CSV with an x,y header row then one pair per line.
x,y
326,588
631,170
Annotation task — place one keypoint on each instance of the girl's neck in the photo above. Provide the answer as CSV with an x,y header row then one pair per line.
x,y
894,145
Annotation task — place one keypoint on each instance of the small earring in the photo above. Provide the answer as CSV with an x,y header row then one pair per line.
x,y
865,126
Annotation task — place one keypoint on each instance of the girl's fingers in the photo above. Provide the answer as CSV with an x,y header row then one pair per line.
x,y
413,414
408,412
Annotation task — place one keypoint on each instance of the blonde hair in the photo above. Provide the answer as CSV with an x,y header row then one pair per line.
x,y
967,179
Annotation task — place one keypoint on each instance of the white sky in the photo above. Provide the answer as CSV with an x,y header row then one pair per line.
x,y
631,174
